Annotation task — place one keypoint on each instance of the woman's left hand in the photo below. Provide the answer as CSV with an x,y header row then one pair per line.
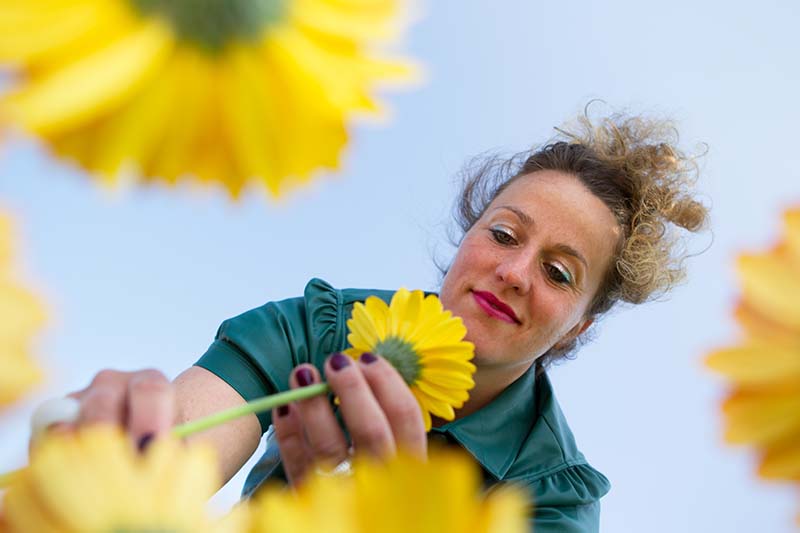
x,y
379,410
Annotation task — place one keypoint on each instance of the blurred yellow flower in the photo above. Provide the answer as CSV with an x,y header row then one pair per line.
x,y
404,494
95,481
763,409
21,316
423,342
226,91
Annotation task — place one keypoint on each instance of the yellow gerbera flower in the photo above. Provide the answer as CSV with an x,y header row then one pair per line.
x,y
423,342
763,408
95,481
21,316
224,90
404,494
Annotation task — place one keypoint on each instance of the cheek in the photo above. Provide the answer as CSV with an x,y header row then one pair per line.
x,y
555,317
465,262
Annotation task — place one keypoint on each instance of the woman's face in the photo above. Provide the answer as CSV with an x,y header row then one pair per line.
x,y
525,274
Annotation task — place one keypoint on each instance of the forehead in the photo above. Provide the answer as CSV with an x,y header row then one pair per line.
x,y
562,210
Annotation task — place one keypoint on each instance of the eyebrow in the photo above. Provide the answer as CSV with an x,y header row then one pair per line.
x,y
527,220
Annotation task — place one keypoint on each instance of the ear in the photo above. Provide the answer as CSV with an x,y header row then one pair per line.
x,y
576,330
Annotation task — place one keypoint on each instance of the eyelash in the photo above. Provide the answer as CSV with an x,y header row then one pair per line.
x,y
505,238
561,277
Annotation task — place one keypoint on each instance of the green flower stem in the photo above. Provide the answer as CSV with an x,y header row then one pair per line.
x,y
259,405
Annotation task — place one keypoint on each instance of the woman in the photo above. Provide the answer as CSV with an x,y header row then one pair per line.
x,y
551,241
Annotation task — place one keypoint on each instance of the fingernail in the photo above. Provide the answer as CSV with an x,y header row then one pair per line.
x,y
283,410
145,441
304,377
339,361
367,358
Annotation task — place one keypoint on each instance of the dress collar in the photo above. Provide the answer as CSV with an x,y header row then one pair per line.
x,y
495,433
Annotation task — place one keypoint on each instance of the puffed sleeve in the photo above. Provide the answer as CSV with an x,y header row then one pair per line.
x,y
256,351
568,500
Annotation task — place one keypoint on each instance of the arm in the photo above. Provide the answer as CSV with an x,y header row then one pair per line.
x,y
199,393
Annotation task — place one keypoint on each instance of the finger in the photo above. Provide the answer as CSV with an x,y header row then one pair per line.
x,y
323,433
395,399
295,453
151,406
103,402
369,429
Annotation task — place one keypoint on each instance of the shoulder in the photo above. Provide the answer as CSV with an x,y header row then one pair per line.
x,y
318,317
549,462
320,302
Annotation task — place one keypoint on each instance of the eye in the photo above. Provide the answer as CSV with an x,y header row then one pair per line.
x,y
502,235
558,274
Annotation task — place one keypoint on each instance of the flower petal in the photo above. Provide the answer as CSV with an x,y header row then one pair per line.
x,y
100,81
771,286
756,362
763,416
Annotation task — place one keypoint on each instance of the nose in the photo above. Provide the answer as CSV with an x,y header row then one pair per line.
x,y
514,271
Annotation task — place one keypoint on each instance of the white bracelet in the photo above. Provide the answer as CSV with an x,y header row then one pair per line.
x,y
54,411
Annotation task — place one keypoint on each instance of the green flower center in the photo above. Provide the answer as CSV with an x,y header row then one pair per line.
x,y
212,24
401,356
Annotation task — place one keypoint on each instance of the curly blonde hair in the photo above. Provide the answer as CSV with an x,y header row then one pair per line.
x,y
633,165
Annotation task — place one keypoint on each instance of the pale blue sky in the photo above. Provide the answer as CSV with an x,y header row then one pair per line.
x,y
144,277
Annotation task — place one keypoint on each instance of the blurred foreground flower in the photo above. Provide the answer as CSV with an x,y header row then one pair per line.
x,y
21,316
405,494
423,342
763,408
226,91
96,481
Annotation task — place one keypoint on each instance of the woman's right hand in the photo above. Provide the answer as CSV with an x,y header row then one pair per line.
x,y
143,403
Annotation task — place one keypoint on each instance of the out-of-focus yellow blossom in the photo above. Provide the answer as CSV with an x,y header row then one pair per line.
x,y
224,91
401,495
763,407
21,316
95,481
423,342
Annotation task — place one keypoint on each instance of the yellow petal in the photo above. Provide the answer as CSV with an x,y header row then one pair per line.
x,y
763,417
782,462
772,287
756,363
359,23
450,365
448,331
445,395
129,141
404,311
447,379
763,329
249,111
378,311
94,84
426,415
791,220
462,351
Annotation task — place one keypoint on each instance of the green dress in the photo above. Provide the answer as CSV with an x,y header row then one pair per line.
x,y
520,437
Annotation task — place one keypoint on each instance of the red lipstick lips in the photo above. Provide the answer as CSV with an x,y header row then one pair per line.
x,y
495,307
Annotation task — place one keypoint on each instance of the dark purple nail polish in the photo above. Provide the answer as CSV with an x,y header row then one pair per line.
x,y
339,361
368,358
304,377
145,441
283,410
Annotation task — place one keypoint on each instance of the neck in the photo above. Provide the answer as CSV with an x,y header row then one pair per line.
x,y
489,383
